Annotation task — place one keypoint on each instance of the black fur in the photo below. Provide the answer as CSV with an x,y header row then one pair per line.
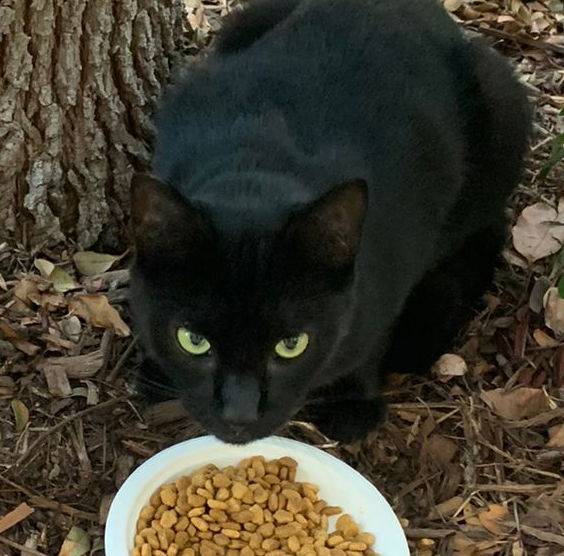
x,y
338,167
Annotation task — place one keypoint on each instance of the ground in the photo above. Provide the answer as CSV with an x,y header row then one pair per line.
x,y
470,457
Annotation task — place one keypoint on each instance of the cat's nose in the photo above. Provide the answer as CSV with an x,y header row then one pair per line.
x,y
240,399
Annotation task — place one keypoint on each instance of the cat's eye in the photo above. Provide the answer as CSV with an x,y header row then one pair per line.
x,y
194,344
288,348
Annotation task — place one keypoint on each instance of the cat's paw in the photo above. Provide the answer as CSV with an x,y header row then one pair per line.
x,y
348,421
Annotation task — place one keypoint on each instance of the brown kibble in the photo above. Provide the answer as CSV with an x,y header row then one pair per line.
x,y
169,519
252,509
283,516
200,524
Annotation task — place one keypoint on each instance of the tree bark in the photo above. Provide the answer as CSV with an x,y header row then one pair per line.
x,y
78,83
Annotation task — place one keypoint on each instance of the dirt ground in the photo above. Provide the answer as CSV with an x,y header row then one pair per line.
x,y
471,457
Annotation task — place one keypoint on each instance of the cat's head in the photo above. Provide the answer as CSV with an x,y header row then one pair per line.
x,y
243,302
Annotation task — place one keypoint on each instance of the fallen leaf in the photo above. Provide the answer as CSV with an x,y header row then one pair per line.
x,y
71,327
6,386
543,339
62,280
89,262
76,543
439,450
44,266
450,365
493,518
21,414
26,290
447,508
452,5
556,437
520,403
96,309
539,231
554,311
3,284
23,511
16,338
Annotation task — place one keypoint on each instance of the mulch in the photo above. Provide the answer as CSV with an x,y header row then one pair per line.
x,y
471,457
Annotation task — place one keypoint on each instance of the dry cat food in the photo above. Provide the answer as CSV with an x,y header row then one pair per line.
x,y
255,508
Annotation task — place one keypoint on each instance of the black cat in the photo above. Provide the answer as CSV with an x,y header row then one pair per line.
x,y
327,207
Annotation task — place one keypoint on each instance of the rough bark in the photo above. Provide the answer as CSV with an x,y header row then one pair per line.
x,y
78,82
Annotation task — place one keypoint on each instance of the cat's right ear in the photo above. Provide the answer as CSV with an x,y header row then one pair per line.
x,y
164,223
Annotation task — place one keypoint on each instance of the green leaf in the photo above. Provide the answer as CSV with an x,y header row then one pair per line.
x,y
62,280
44,266
89,262
561,287
21,414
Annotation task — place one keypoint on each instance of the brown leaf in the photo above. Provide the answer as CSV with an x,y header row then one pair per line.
x,y
539,231
556,437
26,290
16,338
440,450
3,285
21,414
89,262
23,511
452,5
96,309
450,365
493,519
554,311
446,508
543,339
516,404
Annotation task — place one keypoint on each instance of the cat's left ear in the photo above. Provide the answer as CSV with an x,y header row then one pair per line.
x,y
328,232
163,221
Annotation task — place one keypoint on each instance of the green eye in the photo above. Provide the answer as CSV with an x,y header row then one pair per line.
x,y
288,348
192,343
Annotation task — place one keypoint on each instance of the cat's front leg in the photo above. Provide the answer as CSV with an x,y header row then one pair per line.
x,y
346,412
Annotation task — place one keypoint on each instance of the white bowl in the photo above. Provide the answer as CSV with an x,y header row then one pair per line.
x,y
340,485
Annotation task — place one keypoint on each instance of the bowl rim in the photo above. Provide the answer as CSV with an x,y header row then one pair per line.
x,y
120,506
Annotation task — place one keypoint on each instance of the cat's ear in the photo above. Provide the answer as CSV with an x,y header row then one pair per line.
x,y
328,232
163,222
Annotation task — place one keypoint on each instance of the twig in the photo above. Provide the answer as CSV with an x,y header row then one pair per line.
x,y
429,533
539,534
122,359
514,489
41,438
20,547
535,43
542,419
47,504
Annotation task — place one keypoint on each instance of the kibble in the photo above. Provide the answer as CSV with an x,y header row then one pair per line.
x,y
255,508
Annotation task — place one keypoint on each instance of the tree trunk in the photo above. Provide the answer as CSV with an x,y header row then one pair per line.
x,y
78,82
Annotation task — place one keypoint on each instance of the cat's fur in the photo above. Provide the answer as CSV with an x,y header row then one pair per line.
x,y
338,167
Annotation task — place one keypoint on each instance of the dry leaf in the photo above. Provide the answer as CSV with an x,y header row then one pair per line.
x,y
71,327
23,511
26,290
77,543
520,403
16,338
452,5
21,414
89,262
447,508
543,339
3,285
450,365
554,311
539,231
493,518
439,450
44,266
556,437
96,309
